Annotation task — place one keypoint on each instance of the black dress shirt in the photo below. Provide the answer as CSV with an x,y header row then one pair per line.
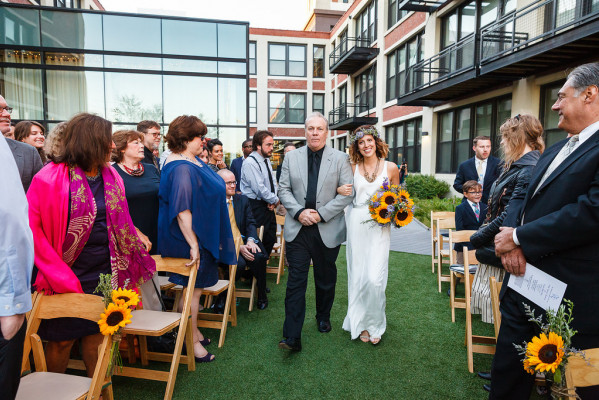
x,y
314,159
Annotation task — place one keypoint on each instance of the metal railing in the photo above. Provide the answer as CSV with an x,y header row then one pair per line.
x,y
451,61
345,112
533,23
345,45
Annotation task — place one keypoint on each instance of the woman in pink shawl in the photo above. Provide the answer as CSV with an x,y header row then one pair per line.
x,y
81,229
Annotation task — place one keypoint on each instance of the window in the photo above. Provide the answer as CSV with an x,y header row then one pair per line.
x,y
121,33
286,59
286,108
549,117
343,94
458,127
204,107
395,14
366,23
318,102
253,108
404,140
365,89
342,143
398,63
318,68
180,37
232,39
84,32
252,58
67,3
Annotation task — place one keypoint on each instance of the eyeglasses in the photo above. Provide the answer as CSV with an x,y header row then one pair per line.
x,y
231,183
475,192
8,109
517,117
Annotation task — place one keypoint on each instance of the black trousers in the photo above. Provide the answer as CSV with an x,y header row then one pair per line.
x,y
258,269
308,246
509,380
11,356
267,218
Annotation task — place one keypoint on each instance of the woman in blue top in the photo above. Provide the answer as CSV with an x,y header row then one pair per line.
x,y
193,219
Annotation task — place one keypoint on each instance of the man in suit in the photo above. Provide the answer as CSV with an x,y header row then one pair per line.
x,y
483,168
252,253
469,215
246,148
558,233
314,226
151,132
26,156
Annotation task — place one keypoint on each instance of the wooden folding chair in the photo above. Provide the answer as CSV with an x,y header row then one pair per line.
x,y
434,216
474,343
278,251
50,385
157,323
443,253
220,321
252,292
495,289
579,373
456,271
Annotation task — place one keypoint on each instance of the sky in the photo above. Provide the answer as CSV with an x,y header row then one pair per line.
x,y
277,14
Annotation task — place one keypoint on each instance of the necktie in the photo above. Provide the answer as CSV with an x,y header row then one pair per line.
x,y
477,211
561,156
234,228
272,185
312,180
479,171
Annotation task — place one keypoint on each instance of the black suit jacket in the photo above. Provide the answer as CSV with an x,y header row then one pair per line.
x,y
465,220
560,231
246,223
467,172
28,161
149,158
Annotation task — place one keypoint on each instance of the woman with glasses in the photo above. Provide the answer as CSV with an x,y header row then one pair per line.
x,y
522,144
193,218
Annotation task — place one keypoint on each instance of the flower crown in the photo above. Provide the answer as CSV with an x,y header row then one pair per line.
x,y
359,134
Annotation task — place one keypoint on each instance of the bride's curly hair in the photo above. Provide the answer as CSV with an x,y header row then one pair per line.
x,y
382,149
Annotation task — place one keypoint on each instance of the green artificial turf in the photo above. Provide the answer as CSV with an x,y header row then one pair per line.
x,y
421,355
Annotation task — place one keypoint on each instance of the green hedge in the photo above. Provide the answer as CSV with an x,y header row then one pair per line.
x,y
426,187
424,207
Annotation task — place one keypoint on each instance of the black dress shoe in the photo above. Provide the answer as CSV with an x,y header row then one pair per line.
x,y
324,326
487,387
262,304
267,290
484,375
292,344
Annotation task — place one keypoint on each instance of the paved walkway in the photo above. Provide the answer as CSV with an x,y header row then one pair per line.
x,y
414,238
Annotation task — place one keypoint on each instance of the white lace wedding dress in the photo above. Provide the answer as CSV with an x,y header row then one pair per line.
x,y
367,263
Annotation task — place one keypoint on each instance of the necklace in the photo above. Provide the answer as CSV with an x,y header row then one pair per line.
x,y
370,178
190,159
139,171
94,178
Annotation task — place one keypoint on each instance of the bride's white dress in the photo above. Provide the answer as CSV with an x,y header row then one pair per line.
x,y
367,263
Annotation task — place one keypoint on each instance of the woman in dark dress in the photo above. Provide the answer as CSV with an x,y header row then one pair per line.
x,y
215,155
81,229
193,220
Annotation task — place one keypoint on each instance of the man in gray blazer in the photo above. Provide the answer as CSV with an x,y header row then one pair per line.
x,y
28,159
314,227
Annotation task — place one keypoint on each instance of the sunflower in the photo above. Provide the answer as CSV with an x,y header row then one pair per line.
x,y
528,368
404,196
382,215
129,297
114,316
388,198
545,353
403,217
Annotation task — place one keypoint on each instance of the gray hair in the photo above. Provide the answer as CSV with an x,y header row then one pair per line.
x,y
224,171
315,114
584,76
54,144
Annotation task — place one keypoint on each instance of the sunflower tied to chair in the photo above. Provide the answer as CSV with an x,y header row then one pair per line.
x,y
547,354
117,313
390,205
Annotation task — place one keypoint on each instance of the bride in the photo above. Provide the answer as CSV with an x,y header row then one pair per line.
x,y
367,244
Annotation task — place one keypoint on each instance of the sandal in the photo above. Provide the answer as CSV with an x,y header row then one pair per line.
x,y
205,342
206,359
365,337
375,340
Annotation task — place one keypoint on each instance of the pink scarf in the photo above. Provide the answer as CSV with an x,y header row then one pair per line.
x,y
58,240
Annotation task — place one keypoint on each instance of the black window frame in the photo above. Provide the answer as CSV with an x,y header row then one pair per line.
x,y
392,133
255,108
252,61
551,135
394,13
363,30
398,80
287,45
342,143
318,64
67,3
363,91
286,122
320,110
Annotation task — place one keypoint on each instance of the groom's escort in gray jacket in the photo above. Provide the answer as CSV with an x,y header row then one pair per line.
x,y
318,242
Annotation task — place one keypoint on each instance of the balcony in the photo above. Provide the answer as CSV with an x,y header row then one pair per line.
x,y
350,55
345,117
543,37
427,6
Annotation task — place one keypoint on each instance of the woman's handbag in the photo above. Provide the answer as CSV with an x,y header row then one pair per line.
x,y
486,255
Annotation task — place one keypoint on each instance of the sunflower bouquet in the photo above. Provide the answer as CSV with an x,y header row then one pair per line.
x,y
390,205
117,313
548,352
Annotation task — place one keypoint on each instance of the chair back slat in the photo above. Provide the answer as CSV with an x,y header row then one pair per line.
x,y
579,373
445,223
495,289
280,220
170,264
74,305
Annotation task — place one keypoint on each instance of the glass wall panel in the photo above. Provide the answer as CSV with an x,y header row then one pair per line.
x,y
468,19
191,95
21,56
71,30
318,102
72,92
253,108
133,97
232,139
232,102
74,59
483,125
130,62
276,107
489,10
19,27
134,34
462,144
189,38
276,59
297,108
318,68
232,40
22,89
231,68
445,137
551,118
181,65
297,60
252,58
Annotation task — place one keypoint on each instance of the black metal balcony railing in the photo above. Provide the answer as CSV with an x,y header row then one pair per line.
x,y
346,116
451,61
346,44
533,23
351,54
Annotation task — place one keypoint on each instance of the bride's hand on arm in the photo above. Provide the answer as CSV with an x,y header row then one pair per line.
x,y
345,190
185,223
